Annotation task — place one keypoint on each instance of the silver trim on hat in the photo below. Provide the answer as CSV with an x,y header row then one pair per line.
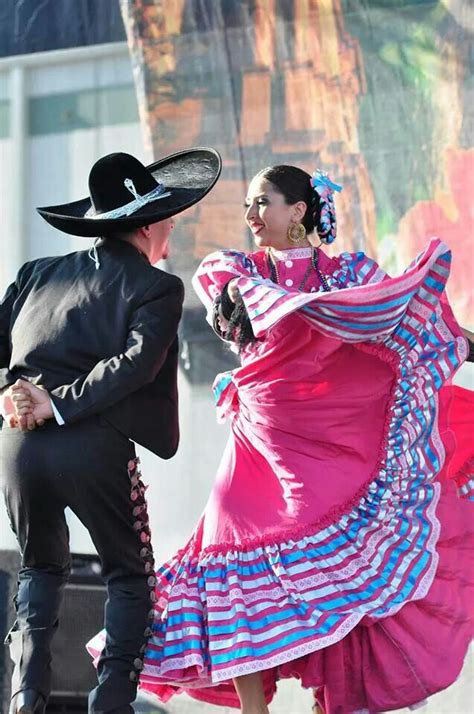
x,y
129,208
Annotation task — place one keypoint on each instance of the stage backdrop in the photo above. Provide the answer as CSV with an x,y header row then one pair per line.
x,y
379,94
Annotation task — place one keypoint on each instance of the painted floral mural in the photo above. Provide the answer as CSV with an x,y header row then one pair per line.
x,y
379,94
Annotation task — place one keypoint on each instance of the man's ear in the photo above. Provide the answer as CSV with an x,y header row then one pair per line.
x,y
145,230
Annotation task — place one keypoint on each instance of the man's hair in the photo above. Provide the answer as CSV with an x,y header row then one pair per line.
x,y
122,235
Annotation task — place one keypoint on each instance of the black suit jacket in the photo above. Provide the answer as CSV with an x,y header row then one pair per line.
x,y
100,341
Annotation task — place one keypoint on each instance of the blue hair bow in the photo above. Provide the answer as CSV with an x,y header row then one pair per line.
x,y
322,179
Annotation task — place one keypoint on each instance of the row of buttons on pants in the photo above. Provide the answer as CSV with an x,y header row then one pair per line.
x,y
146,553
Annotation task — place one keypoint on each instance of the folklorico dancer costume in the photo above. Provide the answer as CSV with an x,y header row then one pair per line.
x,y
98,330
334,547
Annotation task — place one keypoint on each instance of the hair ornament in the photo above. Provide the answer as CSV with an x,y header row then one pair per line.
x,y
324,188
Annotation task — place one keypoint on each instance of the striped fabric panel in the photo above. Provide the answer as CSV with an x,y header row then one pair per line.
x,y
352,315
467,490
216,270
377,568
369,312
465,481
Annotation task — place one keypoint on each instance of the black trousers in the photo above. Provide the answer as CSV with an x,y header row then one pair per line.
x,y
91,468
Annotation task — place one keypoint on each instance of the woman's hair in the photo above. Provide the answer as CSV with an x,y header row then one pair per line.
x,y
295,185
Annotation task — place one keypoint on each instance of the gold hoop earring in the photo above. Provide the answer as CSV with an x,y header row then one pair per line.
x,y
296,232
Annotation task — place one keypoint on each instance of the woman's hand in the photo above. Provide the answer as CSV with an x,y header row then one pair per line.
x,y
222,323
470,340
233,290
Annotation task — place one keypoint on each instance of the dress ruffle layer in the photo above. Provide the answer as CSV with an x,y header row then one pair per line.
x,y
308,594
399,661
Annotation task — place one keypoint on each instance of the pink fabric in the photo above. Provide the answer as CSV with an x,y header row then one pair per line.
x,y
288,421
456,414
399,661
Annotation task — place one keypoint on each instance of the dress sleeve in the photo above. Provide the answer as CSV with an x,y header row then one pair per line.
x,y
216,270
366,306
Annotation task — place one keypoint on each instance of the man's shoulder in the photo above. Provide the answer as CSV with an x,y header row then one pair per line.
x,y
47,260
163,275
130,277
163,281
37,265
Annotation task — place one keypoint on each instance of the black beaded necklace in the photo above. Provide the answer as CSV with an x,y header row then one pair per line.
x,y
314,263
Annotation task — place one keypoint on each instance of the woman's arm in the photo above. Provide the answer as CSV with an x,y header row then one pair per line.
x,y
230,318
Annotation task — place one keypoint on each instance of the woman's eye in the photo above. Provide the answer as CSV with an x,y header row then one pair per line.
x,y
259,202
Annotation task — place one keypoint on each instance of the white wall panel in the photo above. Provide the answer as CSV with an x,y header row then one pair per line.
x,y
70,77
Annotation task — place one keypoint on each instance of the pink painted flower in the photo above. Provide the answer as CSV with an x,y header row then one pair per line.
x,y
450,216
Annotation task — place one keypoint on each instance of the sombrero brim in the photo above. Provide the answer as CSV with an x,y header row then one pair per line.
x,y
188,176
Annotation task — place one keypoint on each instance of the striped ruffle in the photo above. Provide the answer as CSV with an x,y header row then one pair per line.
x,y
229,610
369,311
465,481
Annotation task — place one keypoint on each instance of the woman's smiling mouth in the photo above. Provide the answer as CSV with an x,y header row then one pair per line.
x,y
256,227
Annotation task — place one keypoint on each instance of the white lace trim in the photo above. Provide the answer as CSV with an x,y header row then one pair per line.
x,y
292,253
288,655
172,665
265,662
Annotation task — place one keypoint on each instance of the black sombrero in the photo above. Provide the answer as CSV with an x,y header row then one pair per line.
x,y
125,195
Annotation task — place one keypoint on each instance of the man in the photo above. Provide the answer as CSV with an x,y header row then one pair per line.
x,y
88,361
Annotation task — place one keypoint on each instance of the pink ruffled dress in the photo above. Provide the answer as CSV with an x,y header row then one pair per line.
x,y
334,547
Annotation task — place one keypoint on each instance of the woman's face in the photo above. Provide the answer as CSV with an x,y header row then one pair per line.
x,y
268,215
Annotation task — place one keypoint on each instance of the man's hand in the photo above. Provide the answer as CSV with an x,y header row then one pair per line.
x,y
32,404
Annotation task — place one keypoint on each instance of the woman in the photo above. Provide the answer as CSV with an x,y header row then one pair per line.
x,y
317,554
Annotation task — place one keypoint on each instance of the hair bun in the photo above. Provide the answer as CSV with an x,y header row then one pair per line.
x,y
324,210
